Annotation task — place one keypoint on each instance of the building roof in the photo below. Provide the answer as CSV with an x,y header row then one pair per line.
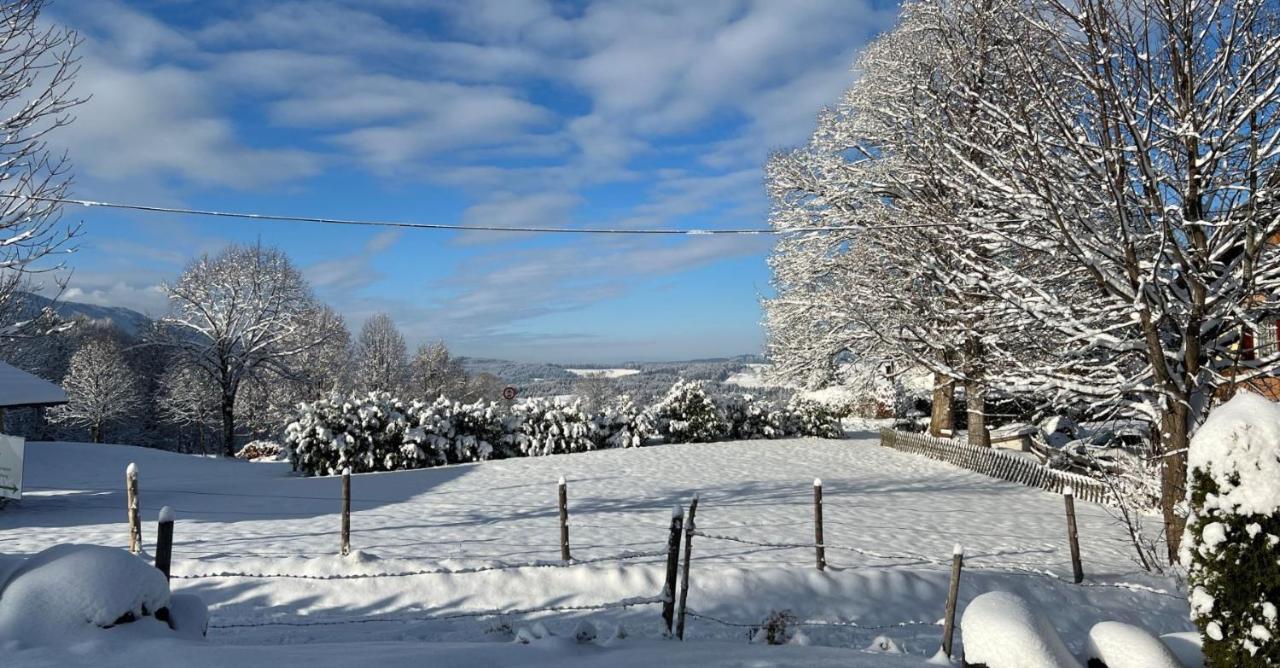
x,y
19,388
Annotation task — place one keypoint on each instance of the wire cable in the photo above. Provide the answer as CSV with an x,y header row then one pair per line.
x,y
463,228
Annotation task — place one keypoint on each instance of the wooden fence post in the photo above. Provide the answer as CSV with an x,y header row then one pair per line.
x,y
346,512
131,499
564,520
164,541
820,548
1077,572
684,577
673,563
953,593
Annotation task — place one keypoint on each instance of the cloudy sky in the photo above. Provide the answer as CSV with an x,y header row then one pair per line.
x,y
498,112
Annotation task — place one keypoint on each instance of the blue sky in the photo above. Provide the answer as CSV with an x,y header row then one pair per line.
x,y
503,112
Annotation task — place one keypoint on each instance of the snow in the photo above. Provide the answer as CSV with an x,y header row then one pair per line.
x,y
1241,438
752,376
481,539
166,514
1186,646
1118,644
604,373
1004,630
69,590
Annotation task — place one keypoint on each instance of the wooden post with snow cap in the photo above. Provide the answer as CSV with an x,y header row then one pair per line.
x,y
131,499
1077,571
673,563
564,520
820,548
684,576
953,593
164,541
346,512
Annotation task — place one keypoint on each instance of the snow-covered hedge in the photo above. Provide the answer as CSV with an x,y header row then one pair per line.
x,y
750,418
1231,547
622,424
687,415
377,432
551,427
804,417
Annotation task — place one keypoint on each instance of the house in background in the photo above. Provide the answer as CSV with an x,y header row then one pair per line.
x,y
19,389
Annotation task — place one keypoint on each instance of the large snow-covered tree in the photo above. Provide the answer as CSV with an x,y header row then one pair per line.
x,y
381,359
239,315
1146,166
37,71
101,387
435,372
187,397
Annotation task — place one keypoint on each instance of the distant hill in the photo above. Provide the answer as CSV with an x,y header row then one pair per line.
x,y
127,320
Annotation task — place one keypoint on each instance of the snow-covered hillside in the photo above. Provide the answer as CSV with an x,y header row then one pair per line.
x,y
604,373
441,551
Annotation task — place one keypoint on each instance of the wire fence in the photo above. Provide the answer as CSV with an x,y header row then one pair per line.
x,y
762,535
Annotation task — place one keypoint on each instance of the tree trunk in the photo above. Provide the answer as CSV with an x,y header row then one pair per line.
x,y
944,393
1173,441
97,432
228,425
975,399
975,392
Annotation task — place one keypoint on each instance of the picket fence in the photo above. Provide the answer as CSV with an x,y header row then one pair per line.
x,y
997,463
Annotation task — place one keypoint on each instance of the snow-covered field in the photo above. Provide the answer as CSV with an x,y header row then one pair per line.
x,y
440,550
604,373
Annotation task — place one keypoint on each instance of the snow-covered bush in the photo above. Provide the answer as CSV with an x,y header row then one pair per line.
x,y
261,449
777,629
368,433
622,424
457,432
1003,630
751,418
69,592
542,426
1231,547
804,417
687,415
1118,644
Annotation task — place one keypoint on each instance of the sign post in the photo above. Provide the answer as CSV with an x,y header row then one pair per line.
x,y
11,453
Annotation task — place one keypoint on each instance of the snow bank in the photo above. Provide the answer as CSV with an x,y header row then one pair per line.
x,y
69,589
1241,438
1185,646
1002,630
1118,644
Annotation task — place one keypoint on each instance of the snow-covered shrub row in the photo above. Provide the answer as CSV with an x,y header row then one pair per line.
x,y
260,449
1231,546
377,432
687,415
550,427
622,424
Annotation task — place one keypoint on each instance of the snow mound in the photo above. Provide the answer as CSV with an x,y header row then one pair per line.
x,y
1121,645
1186,646
1241,438
69,589
1002,630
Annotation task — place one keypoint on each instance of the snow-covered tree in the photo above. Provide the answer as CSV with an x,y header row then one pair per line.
x,y
1148,147
595,389
434,372
550,427
188,397
237,316
623,424
101,388
37,71
381,359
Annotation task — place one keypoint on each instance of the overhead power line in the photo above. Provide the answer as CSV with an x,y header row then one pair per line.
x,y
149,208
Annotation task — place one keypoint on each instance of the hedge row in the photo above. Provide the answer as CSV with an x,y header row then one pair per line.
x,y
378,432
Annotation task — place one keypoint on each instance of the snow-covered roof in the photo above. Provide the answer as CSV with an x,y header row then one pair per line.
x,y
19,388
